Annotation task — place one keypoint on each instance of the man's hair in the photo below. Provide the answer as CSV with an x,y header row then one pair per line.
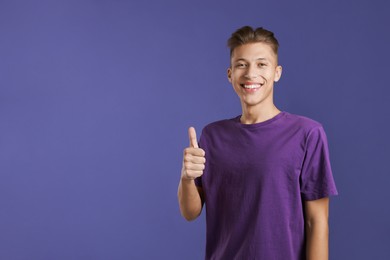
x,y
247,34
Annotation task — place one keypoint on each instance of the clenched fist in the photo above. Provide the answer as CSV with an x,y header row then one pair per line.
x,y
193,158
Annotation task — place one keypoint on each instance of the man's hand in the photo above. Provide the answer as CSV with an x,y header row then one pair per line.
x,y
190,196
193,158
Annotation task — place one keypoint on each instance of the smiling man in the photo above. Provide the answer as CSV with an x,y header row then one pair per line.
x,y
264,176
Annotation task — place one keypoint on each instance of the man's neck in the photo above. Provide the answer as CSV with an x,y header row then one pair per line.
x,y
253,115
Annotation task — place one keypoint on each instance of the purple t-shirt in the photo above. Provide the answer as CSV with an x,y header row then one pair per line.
x,y
255,180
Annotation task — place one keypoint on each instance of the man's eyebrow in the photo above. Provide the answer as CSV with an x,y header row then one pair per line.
x,y
242,59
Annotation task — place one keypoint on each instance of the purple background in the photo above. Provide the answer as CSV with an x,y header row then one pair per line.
x,y
96,98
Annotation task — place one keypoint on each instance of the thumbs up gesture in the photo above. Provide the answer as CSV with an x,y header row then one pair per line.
x,y
193,158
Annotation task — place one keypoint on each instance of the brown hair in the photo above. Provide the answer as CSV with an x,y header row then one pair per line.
x,y
247,34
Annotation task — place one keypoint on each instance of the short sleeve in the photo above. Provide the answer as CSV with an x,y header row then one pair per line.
x,y
316,175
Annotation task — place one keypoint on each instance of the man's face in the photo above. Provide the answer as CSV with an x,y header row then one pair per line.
x,y
253,71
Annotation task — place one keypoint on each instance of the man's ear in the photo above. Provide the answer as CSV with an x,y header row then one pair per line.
x,y
229,74
278,73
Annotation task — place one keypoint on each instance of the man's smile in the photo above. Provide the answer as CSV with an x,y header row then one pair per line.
x,y
251,86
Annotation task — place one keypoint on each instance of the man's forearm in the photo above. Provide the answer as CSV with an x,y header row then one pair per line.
x,y
317,237
190,201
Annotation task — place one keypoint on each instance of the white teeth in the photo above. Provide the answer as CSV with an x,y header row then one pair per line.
x,y
252,86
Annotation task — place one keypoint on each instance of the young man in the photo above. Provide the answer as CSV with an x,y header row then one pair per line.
x,y
264,176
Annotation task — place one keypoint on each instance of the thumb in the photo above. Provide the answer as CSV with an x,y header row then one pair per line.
x,y
192,137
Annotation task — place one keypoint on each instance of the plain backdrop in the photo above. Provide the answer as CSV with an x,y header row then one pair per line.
x,y
96,97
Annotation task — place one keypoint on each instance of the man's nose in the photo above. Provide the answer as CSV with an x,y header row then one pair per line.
x,y
251,73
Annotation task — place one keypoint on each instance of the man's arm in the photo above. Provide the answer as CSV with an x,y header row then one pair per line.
x,y
191,197
317,229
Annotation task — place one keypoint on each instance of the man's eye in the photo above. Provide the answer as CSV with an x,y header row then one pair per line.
x,y
262,64
240,65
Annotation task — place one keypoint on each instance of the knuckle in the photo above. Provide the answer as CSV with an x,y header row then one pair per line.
x,y
187,165
186,158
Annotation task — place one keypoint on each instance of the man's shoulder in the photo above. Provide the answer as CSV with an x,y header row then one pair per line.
x,y
301,121
222,123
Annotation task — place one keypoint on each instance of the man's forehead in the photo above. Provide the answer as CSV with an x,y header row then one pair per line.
x,y
252,58
253,52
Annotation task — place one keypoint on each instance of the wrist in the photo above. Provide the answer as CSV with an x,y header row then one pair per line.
x,y
187,179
